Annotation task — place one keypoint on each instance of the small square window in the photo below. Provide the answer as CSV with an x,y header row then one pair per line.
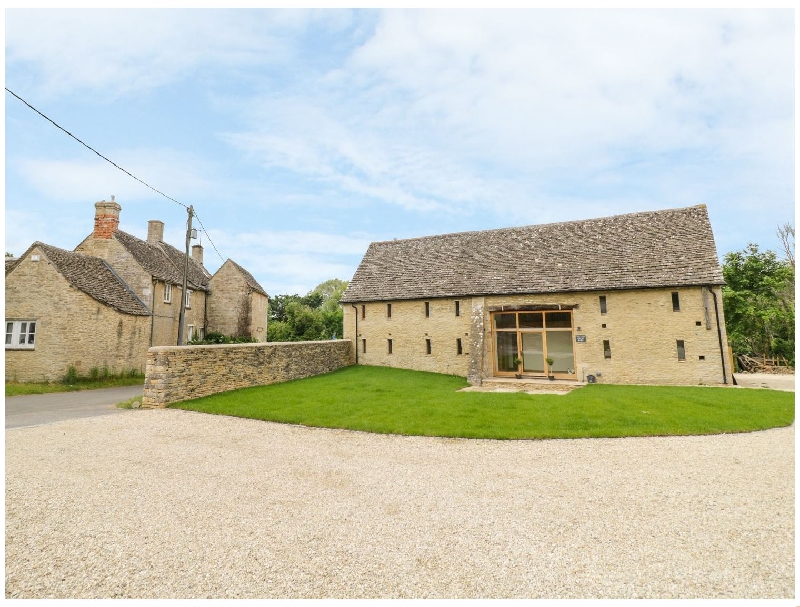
x,y
699,323
681,350
603,307
428,346
676,302
606,348
701,357
604,325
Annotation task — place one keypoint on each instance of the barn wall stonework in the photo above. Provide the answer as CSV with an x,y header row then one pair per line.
x,y
640,325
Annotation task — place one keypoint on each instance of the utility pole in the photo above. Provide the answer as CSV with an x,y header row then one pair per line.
x,y
182,318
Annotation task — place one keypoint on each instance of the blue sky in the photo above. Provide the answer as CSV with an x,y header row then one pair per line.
x,y
301,136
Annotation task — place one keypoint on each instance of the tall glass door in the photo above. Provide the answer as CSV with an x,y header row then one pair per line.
x,y
524,340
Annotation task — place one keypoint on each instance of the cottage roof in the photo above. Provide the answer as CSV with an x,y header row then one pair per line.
x,y
164,261
94,277
248,278
667,248
11,263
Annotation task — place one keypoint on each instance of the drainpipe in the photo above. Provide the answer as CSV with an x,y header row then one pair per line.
x,y
355,339
719,336
153,313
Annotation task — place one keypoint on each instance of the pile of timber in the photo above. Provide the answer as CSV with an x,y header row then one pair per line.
x,y
764,364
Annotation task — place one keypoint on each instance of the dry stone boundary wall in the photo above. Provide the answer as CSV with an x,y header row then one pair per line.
x,y
181,373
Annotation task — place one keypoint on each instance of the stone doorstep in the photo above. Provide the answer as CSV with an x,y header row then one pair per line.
x,y
535,386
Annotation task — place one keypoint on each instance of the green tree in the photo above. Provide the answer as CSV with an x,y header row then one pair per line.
x,y
311,317
759,302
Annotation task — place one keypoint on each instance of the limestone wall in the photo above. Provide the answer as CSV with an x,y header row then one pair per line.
x,y
175,374
640,325
410,329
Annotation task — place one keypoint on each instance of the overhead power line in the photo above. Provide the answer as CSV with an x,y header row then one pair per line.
x,y
58,126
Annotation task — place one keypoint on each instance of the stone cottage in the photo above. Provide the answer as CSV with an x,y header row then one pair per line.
x,y
68,309
632,298
150,273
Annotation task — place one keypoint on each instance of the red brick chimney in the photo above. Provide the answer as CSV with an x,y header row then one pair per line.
x,y
106,218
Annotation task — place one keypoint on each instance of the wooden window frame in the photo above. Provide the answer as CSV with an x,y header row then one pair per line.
x,y
167,293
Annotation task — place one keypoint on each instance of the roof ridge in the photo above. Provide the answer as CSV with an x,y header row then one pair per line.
x,y
537,225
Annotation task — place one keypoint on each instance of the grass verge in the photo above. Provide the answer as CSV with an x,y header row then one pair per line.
x,y
397,401
19,389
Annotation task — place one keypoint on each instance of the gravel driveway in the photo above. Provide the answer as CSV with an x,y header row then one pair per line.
x,y
167,503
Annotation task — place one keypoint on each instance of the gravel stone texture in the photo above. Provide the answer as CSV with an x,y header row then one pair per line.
x,y
176,504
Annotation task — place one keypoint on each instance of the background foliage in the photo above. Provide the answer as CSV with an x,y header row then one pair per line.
x,y
312,317
759,299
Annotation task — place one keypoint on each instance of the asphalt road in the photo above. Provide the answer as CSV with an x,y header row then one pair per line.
x,y
41,409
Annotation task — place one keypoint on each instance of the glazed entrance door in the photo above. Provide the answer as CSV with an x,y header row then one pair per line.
x,y
524,340
532,353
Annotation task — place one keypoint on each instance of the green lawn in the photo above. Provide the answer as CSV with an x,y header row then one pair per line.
x,y
396,401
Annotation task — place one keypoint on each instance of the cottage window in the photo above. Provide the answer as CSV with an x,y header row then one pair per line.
x,y
458,308
189,333
676,302
606,348
681,350
389,344
428,345
459,349
188,298
603,307
388,310
20,334
427,309
167,293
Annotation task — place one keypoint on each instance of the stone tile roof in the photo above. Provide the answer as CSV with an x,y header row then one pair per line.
x,y
164,261
94,277
11,263
667,248
248,278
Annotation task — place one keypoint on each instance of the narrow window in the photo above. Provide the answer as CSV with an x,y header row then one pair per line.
x,y
190,333
603,308
428,345
427,309
9,333
167,293
458,346
676,302
389,343
681,350
363,311
388,310
458,310
606,348
363,346
188,298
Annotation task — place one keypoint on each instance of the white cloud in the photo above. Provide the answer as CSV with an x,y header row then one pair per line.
x,y
69,181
